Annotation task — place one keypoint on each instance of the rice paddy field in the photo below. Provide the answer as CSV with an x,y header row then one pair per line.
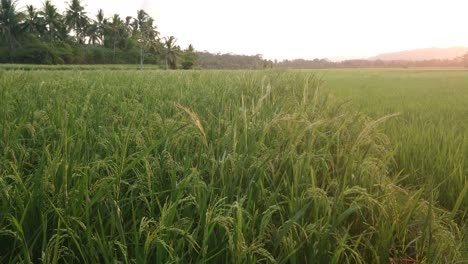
x,y
278,166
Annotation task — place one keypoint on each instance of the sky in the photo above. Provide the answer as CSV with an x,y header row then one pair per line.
x,y
289,29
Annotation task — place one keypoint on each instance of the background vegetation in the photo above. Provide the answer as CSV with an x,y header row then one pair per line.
x,y
43,35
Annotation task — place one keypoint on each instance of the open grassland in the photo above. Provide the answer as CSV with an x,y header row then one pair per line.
x,y
231,166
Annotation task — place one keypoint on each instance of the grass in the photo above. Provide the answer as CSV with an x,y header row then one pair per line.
x,y
229,166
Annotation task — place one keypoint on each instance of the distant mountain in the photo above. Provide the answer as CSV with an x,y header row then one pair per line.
x,y
423,54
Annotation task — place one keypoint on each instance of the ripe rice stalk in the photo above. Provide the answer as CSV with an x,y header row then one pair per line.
x,y
195,120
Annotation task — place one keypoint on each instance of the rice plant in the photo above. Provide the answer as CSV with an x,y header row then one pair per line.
x,y
208,167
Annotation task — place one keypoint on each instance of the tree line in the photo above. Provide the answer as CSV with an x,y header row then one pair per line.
x,y
43,35
324,63
208,60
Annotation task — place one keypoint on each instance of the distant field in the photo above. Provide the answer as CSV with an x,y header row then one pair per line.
x,y
431,133
329,166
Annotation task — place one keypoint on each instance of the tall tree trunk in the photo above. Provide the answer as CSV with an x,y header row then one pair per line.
x,y
10,45
113,56
141,57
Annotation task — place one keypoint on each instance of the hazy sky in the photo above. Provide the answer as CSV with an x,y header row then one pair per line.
x,y
281,29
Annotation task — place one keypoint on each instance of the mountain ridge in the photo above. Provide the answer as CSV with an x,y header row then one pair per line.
x,y
423,54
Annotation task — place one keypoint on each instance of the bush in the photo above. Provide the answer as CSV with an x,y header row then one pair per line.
x,y
32,50
4,55
39,53
65,52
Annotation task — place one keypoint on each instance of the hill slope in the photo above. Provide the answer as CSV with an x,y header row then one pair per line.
x,y
424,54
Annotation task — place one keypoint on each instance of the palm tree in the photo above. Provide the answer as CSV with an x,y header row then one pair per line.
x,y
189,58
152,45
77,20
101,23
150,29
171,52
10,23
52,21
128,24
145,33
32,22
93,34
115,31
62,29
143,26
141,18
126,31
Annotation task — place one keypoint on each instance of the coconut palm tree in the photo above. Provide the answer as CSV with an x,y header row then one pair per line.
x,y
76,20
93,34
52,21
145,33
62,29
10,23
152,45
101,24
189,58
171,52
126,31
115,31
143,24
150,30
141,18
128,24
33,23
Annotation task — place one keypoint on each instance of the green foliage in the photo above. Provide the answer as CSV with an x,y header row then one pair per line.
x,y
5,55
171,52
74,38
211,167
69,53
189,58
9,24
76,19
208,60
37,52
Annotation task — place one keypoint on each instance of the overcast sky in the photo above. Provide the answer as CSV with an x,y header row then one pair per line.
x,y
287,29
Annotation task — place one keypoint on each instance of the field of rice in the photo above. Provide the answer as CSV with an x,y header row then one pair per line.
x,y
329,166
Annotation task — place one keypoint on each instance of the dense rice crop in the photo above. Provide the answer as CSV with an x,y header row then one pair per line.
x,y
157,166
